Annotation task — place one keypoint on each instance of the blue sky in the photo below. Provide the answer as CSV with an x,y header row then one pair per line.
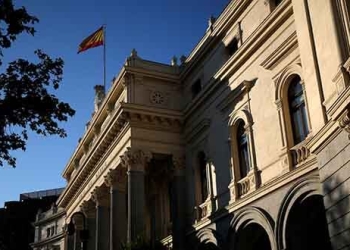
x,y
158,29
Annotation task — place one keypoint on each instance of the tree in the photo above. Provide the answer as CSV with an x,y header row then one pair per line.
x,y
26,103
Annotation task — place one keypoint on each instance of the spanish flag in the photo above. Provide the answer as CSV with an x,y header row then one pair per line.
x,y
94,40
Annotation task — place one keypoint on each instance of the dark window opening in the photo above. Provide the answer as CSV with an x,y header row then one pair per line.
x,y
277,2
196,88
203,176
232,47
297,111
243,151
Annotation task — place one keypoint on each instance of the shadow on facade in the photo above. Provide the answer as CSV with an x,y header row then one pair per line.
x,y
337,200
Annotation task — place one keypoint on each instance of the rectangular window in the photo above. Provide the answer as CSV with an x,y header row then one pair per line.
x,y
232,47
196,88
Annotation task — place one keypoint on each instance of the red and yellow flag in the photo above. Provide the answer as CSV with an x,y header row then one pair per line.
x,y
94,40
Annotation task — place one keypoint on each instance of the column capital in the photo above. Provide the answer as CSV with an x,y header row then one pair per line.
x,y
100,196
88,208
179,164
135,159
116,179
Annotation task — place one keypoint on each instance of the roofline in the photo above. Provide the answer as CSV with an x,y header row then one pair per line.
x,y
232,8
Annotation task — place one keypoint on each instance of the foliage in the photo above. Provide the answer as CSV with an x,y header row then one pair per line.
x,y
25,101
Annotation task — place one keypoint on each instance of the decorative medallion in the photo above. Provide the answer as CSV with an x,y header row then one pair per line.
x,y
157,97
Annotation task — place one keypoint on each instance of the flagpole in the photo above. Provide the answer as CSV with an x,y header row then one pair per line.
x,y
104,57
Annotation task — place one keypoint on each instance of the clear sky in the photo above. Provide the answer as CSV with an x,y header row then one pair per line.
x,y
158,29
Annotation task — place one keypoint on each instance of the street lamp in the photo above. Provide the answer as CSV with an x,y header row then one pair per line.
x,y
84,233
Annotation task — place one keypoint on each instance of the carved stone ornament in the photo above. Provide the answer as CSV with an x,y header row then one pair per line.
x,y
157,97
344,121
100,196
88,208
116,178
179,162
135,160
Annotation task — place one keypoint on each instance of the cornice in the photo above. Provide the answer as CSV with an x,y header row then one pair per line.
x,y
48,219
94,155
232,11
251,44
154,74
128,113
281,52
117,85
196,130
254,41
88,182
339,104
48,240
151,111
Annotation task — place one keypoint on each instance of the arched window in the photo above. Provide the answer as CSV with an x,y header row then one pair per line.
x,y
243,152
202,165
297,110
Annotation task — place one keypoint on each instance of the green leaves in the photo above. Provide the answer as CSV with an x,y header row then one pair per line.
x,y
25,101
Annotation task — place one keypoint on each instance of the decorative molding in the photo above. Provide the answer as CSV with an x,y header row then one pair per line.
x,y
135,159
281,79
179,165
157,97
88,208
161,119
234,33
341,79
236,94
100,195
344,120
248,184
286,48
200,127
116,179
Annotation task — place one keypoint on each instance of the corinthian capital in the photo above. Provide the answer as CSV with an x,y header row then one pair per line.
x,y
179,164
116,179
135,159
100,196
88,208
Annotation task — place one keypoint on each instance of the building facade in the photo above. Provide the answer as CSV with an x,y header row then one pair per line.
x,y
16,217
50,229
244,144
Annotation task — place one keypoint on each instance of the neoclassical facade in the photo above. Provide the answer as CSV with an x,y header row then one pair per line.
x,y
49,229
243,144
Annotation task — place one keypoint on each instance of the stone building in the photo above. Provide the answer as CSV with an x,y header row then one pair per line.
x,y
16,217
244,144
49,229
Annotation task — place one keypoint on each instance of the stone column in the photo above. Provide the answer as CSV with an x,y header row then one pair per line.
x,y
179,203
116,180
135,161
89,209
101,199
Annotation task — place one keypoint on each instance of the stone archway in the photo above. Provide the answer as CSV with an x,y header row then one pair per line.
x,y
251,229
251,237
301,222
208,239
